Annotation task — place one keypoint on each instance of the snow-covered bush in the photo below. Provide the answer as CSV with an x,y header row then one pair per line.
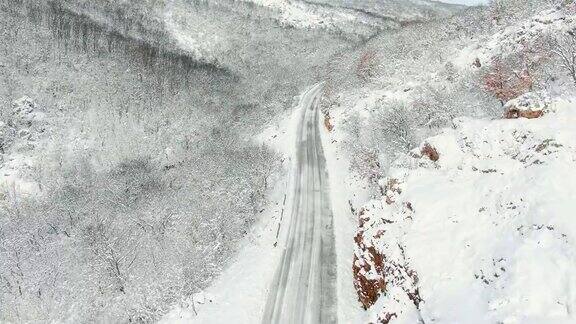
x,y
563,47
504,83
395,124
25,111
6,136
367,65
27,118
437,107
391,130
23,123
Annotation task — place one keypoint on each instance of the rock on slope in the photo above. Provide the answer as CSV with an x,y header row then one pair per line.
x,y
485,234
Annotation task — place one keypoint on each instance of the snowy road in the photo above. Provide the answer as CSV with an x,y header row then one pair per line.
x,y
303,288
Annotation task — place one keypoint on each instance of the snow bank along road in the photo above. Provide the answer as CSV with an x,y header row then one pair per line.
x,y
303,288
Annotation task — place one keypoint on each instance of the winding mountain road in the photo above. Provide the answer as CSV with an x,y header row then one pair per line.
x,y
303,288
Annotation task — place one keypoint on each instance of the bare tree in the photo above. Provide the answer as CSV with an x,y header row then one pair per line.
x,y
564,48
505,83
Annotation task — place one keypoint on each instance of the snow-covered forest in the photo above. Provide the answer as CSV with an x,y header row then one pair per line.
x,y
128,171
125,185
147,160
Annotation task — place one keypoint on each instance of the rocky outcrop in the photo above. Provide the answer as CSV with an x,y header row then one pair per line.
x,y
368,268
530,105
328,122
380,266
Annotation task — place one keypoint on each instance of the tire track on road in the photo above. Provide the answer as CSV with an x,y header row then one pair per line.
x,y
303,288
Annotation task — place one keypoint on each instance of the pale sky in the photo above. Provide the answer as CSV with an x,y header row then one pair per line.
x,y
465,2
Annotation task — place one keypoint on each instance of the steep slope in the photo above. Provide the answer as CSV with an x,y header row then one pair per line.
x,y
483,232
473,225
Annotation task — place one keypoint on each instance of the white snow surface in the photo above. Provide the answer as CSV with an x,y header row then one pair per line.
x,y
492,235
345,189
517,37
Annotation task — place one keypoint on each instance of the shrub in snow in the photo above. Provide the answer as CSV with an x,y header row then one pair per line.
x,y
506,84
6,136
477,63
22,122
391,129
391,190
563,46
394,127
430,152
437,106
529,105
25,111
367,65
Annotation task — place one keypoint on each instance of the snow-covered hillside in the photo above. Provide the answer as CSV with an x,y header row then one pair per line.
x,y
484,234
400,10
335,15
474,225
